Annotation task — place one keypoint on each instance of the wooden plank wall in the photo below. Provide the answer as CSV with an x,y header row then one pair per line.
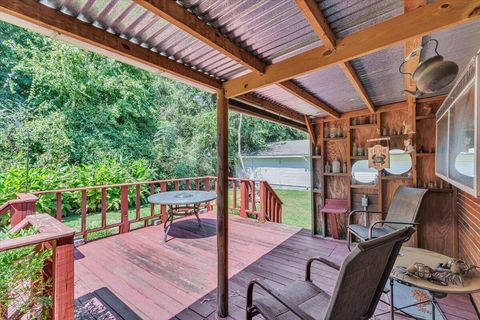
x,y
468,209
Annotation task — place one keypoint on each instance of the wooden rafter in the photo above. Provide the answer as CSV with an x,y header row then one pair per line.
x,y
188,22
272,107
319,24
300,93
45,17
438,15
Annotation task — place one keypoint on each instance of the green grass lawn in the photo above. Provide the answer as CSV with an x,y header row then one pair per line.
x,y
296,211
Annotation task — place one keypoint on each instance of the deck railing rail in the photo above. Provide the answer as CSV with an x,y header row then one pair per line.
x,y
250,198
57,269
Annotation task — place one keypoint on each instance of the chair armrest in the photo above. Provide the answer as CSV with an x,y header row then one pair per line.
x,y
277,296
370,229
322,260
362,211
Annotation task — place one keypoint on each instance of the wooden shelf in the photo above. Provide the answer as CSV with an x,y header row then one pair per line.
x,y
358,157
430,116
361,126
364,186
316,157
426,154
331,174
335,139
317,191
398,136
440,190
396,178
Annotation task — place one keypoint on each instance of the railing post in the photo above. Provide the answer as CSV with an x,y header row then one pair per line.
x,y
263,202
63,289
125,227
163,209
243,198
206,182
23,206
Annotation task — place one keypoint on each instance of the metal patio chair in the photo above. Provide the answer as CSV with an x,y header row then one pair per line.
x,y
403,211
358,289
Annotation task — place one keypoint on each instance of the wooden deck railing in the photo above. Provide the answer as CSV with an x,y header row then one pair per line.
x,y
251,198
58,269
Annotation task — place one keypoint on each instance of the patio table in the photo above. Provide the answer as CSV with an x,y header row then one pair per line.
x,y
181,203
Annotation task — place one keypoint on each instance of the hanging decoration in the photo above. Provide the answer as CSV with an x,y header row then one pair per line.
x,y
378,155
431,75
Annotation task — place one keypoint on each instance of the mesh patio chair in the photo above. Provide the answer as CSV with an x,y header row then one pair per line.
x,y
358,289
403,211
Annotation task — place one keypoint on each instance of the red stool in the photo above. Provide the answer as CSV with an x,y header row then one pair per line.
x,y
333,207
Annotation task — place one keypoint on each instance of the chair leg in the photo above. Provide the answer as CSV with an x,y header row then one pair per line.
x,y
349,239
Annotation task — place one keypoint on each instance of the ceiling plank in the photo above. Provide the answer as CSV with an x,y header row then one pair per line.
x,y
273,107
45,17
438,15
188,22
300,93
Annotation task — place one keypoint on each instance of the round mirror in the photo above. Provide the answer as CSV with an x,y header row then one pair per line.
x,y
362,174
400,162
464,163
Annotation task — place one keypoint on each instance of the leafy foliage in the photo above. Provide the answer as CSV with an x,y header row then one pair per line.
x,y
21,278
82,119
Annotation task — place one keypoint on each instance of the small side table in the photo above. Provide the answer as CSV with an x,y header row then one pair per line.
x,y
332,208
409,256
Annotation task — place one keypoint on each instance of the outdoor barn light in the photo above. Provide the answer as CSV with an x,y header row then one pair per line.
x,y
432,74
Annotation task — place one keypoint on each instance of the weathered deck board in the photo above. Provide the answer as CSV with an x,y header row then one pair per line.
x,y
137,273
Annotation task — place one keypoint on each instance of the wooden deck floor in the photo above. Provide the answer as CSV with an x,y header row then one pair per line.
x,y
135,275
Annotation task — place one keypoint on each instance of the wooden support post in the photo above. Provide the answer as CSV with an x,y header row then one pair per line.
x,y
206,186
243,198
263,202
222,204
63,279
59,206
163,208
104,207
83,208
125,227
23,206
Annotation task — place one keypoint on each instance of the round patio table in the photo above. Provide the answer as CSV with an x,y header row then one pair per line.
x,y
181,203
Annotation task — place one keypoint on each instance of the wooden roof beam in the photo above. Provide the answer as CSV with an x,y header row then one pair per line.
x,y
248,109
30,11
300,93
188,22
427,19
272,107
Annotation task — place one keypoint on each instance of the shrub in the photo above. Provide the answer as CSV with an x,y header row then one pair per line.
x,y
12,181
21,279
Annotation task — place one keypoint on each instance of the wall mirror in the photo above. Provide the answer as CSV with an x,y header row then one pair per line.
x,y
362,174
400,162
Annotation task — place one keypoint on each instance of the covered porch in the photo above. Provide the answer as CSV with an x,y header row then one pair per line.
x,y
336,81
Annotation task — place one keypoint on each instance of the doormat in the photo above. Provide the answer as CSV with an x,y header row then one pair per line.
x,y
102,304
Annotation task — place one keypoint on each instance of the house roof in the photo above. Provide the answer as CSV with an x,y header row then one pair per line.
x,y
286,149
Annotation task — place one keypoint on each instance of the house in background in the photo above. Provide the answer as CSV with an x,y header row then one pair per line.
x,y
283,164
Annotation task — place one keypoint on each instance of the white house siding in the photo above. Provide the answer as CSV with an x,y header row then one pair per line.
x,y
281,172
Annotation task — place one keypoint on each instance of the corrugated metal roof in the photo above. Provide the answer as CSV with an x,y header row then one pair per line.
x,y
333,87
279,95
348,16
379,75
292,148
274,30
